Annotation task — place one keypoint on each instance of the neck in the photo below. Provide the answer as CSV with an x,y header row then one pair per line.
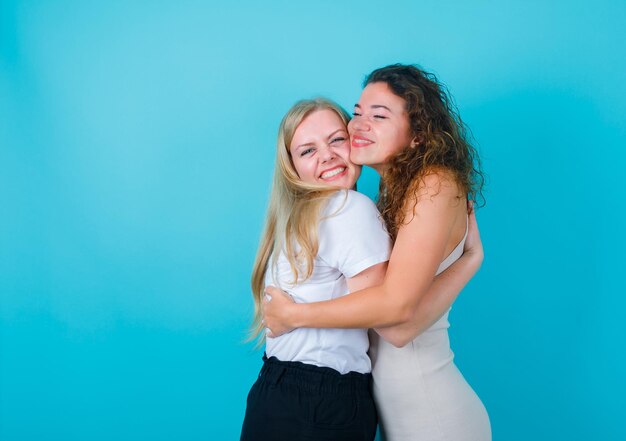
x,y
380,169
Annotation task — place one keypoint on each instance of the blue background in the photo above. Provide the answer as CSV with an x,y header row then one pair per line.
x,y
136,149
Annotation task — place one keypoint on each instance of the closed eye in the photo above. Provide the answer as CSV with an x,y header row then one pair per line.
x,y
337,140
306,151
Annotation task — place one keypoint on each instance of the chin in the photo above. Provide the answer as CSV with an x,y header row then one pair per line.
x,y
357,160
361,158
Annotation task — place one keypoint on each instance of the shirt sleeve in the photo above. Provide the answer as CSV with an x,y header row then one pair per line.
x,y
352,235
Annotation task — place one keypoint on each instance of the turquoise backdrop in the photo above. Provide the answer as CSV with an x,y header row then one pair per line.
x,y
136,149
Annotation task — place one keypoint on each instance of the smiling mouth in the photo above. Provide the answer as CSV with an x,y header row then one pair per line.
x,y
332,173
361,142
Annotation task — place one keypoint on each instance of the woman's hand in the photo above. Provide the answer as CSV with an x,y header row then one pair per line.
x,y
473,245
277,309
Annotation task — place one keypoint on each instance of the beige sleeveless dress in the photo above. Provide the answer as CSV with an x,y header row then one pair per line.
x,y
420,393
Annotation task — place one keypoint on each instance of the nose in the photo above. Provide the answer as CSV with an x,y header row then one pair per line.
x,y
327,154
358,124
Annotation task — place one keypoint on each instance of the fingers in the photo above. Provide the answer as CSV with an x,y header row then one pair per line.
x,y
271,290
472,223
279,296
274,306
471,219
267,298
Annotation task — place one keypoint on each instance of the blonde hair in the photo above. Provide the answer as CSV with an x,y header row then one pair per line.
x,y
294,210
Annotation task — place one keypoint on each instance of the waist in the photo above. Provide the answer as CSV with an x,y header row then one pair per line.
x,y
313,378
343,350
432,346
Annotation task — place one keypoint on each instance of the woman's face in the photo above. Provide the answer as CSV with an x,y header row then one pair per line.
x,y
380,126
320,151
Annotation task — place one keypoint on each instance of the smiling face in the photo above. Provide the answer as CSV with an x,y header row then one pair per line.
x,y
320,151
380,126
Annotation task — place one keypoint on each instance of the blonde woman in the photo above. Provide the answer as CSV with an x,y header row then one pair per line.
x,y
319,243
406,127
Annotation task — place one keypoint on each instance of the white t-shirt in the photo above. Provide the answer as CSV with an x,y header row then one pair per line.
x,y
352,238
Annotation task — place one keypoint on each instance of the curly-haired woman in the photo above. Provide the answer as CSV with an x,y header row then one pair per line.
x,y
406,127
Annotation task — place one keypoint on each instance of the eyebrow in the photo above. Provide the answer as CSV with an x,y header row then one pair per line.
x,y
376,106
335,132
308,144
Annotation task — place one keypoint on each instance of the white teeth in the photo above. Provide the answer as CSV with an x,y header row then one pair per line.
x,y
334,172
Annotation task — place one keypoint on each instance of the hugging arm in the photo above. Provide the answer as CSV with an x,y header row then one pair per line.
x,y
443,291
408,279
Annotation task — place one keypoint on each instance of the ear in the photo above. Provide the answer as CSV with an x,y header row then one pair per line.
x,y
417,140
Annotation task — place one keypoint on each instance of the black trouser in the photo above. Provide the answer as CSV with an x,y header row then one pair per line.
x,y
294,401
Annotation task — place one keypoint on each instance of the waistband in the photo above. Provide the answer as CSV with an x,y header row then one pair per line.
x,y
313,378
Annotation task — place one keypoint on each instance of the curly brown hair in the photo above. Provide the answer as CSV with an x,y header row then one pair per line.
x,y
442,143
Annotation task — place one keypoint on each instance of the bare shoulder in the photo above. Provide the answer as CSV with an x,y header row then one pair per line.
x,y
436,185
434,210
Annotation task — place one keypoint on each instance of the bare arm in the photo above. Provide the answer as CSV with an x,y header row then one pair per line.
x,y
395,300
442,293
372,276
